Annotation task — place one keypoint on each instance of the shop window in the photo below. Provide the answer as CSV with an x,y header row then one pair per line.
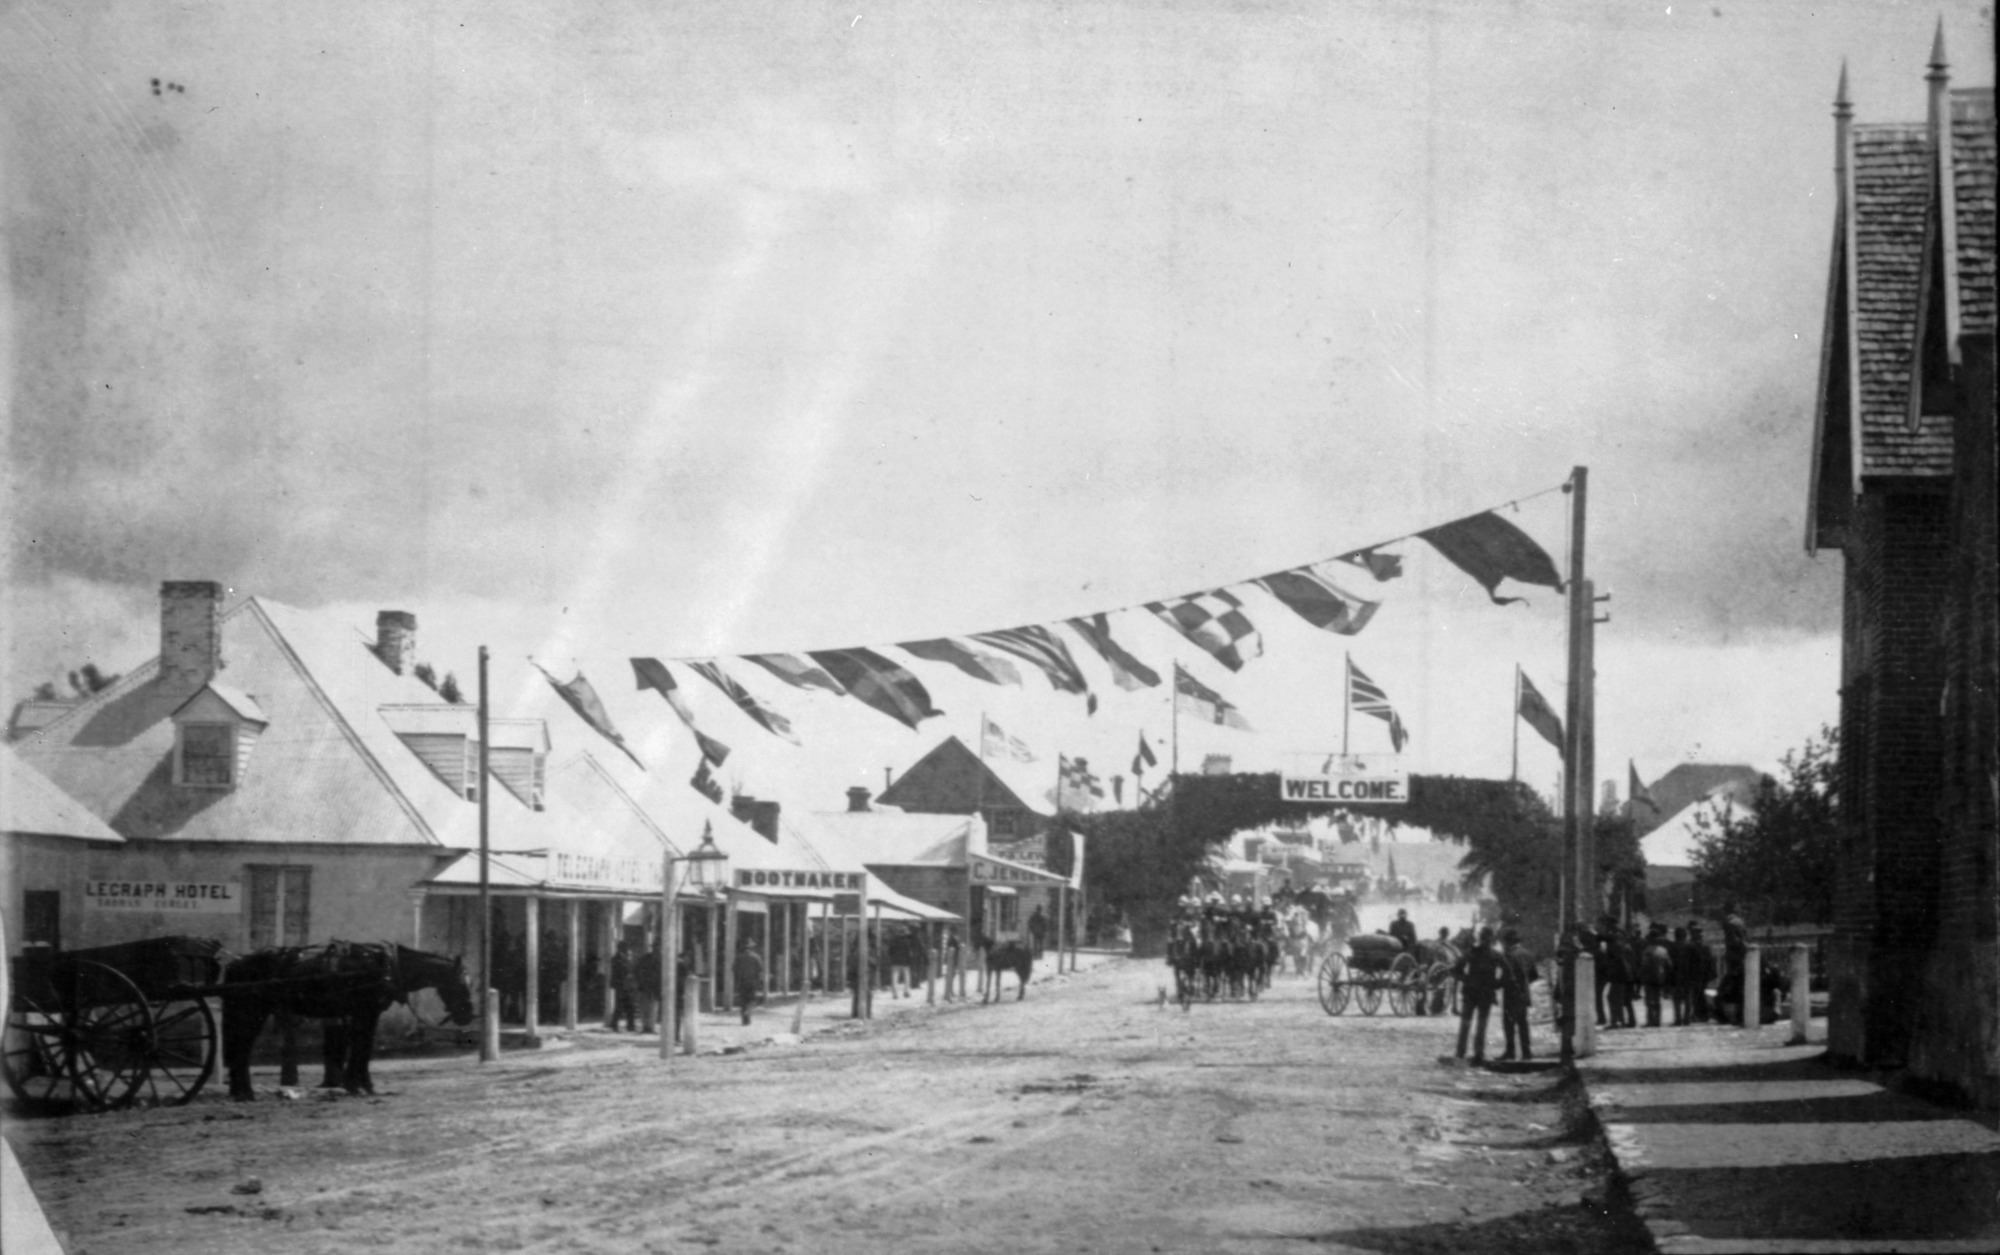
x,y
1010,913
207,754
280,906
1002,822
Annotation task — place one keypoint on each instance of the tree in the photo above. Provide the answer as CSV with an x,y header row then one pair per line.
x,y
1776,861
89,679
448,689
424,672
46,692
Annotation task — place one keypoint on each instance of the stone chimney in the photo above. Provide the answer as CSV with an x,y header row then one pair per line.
x,y
190,633
396,639
857,798
762,817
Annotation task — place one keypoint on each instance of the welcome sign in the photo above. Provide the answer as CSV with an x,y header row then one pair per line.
x,y
1348,782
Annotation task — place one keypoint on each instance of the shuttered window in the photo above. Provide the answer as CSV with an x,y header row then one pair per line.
x,y
280,905
208,755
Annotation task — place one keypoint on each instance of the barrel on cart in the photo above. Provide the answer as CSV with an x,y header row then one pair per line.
x,y
110,1026
1375,966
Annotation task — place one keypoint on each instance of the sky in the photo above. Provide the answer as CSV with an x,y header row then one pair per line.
x,y
600,330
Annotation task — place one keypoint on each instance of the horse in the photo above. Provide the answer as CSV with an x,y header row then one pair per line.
x,y
1003,957
348,985
1184,957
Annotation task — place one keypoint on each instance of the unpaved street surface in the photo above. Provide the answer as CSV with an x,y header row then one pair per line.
x,y
1087,1118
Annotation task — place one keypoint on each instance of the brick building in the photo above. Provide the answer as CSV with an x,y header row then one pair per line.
x,y
1902,486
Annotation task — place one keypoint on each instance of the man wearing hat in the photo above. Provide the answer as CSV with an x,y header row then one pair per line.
x,y
1481,974
1515,993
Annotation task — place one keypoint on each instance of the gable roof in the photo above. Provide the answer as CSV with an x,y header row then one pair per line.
x,y
1894,185
1690,784
32,805
951,779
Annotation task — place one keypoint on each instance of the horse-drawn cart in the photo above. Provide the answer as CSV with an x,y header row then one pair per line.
x,y
109,1026
1375,967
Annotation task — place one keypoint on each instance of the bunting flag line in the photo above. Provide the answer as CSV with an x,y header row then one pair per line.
x,y
879,683
1215,621
1368,698
760,714
1319,601
705,784
583,699
995,743
1043,648
1383,566
651,673
1144,758
1127,672
979,666
1490,549
1636,788
1535,709
1204,703
796,672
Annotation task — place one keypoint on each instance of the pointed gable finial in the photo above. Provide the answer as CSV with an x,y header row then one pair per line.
x,y
1940,81
1938,63
1843,105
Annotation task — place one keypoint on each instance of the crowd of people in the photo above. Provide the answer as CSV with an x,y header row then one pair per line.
x,y
1672,972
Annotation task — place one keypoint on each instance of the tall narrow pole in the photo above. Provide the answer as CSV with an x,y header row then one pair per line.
x,y
670,945
1576,817
1514,718
488,1013
1346,698
1586,765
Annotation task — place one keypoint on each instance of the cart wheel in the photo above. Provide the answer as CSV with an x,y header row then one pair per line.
x,y
1405,985
112,1032
36,1057
1368,995
183,1055
1333,985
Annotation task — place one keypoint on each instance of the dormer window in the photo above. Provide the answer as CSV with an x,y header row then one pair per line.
x,y
214,732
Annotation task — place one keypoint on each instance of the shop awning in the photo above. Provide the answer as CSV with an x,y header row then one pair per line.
x,y
896,905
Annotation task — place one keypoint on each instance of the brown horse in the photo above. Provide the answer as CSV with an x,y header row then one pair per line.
x,y
1003,957
347,985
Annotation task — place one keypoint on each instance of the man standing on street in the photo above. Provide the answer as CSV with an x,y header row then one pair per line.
x,y
1656,971
749,972
1515,995
1038,930
624,988
1481,974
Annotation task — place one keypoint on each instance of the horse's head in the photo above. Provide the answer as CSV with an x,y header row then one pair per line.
x,y
424,970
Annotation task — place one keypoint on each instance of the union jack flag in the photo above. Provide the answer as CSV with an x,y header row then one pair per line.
x,y
1366,696
1216,622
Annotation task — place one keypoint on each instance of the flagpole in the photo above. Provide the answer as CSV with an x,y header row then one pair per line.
x,y
1346,699
489,1015
1514,770
979,796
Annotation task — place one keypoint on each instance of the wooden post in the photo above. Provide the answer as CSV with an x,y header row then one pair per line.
x,y
1801,993
931,953
571,995
670,937
489,1023
1753,987
731,941
712,985
531,1013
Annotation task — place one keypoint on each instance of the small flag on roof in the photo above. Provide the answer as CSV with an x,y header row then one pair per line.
x,y
1637,787
1367,697
583,699
1542,717
1144,758
995,743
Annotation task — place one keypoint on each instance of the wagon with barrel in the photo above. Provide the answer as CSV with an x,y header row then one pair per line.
x,y
109,1026
1375,969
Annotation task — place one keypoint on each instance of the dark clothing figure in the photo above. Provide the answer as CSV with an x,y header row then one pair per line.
x,y
1038,930
1729,989
1686,969
684,980
1481,974
1656,972
749,972
1404,931
649,986
624,989
1516,995
554,971
1701,970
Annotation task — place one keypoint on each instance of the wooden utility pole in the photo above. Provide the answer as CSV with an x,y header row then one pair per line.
x,y
1576,770
489,1015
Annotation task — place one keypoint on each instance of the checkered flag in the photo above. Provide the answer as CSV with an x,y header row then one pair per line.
x,y
1216,622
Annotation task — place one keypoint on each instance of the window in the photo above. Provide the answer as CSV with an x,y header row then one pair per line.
x,y
1010,913
280,905
1001,822
41,922
208,755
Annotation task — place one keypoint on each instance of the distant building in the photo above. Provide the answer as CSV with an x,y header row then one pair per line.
x,y
1902,485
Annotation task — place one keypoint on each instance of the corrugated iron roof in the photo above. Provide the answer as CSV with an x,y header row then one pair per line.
x,y
895,839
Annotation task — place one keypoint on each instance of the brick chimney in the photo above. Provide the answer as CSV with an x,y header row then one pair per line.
x,y
762,817
857,798
190,633
396,639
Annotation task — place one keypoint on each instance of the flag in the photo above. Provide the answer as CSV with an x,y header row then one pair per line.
x,y
652,674
1078,788
1216,622
1490,549
995,743
1043,648
1076,858
760,714
1367,697
1126,671
980,666
797,672
1637,788
1383,566
584,701
1118,789
705,784
891,689
1144,758
1319,601
1205,703
1541,716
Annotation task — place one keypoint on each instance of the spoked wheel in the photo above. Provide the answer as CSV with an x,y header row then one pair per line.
x,y
1405,985
1368,995
112,1032
1333,985
183,1053
36,1056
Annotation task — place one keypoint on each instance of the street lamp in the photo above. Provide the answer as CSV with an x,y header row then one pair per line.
x,y
707,874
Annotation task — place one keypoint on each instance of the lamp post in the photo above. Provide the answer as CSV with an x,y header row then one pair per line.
x,y
707,874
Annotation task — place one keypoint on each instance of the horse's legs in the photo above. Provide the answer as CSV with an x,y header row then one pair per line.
x,y
242,1020
361,1049
333,1052
288,1047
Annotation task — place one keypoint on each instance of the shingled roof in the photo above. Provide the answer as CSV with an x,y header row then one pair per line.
x,y
1972,156
1892,196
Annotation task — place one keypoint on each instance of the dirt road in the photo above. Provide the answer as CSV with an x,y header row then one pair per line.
x,y
1087,1118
